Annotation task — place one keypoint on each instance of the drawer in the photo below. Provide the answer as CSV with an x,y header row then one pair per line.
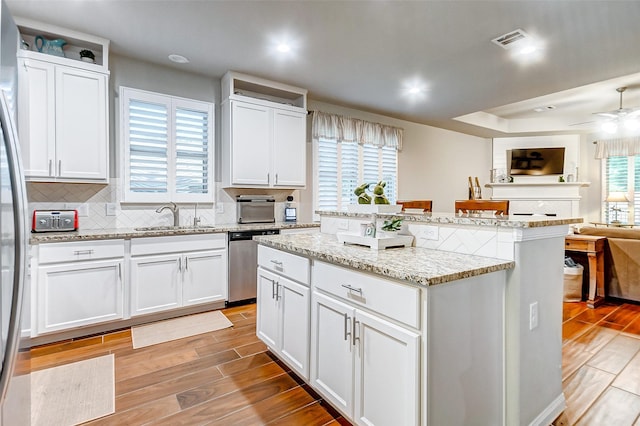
x,y
578,245
391,299
177,243
84,250
283,263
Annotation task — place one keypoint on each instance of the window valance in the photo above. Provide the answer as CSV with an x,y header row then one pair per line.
x,y
619,147
346,129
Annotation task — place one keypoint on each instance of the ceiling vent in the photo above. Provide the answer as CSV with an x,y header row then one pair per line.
x,y
512,39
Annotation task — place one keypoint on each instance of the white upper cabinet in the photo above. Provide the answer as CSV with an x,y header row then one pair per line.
x,y
63,111
264,133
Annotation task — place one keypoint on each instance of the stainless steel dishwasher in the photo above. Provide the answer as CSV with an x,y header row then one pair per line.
x,y
243,265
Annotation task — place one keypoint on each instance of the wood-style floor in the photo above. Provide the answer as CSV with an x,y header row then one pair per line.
x,y
228,377
601,364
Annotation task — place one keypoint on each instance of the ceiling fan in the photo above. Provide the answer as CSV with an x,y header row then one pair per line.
x,y
621,116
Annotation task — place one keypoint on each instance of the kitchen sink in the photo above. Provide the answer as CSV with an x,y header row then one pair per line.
x,y
172,228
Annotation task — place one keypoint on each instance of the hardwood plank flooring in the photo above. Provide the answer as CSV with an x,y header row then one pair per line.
x,y
228,377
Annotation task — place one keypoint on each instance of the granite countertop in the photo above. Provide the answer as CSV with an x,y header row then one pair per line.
x,y
485,219
420,266
158,231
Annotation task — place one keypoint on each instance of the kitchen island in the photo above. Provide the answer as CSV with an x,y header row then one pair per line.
x,y
482,305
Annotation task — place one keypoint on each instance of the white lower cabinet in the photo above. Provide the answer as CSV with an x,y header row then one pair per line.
x,y
283,312
79,284
366,366
172,272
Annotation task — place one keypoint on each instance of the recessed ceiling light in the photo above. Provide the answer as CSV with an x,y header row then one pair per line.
x,y
284,48
178,59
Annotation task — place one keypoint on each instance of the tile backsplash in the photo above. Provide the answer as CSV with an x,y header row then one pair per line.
x,y
94,200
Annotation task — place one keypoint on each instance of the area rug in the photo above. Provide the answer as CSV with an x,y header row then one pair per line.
x,y
73,393
178,328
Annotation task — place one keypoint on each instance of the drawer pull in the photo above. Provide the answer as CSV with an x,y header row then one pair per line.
x,y
81,252
348,287
273,289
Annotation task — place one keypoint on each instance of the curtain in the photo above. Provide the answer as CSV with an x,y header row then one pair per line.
x,y
620,147
339,128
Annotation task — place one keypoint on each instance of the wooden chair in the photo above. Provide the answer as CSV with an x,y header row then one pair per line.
x,y
501,207
425,205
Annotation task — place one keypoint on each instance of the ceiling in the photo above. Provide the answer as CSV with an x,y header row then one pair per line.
x,y
362,54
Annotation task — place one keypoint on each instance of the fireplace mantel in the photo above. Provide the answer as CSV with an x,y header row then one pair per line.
x,y
559,198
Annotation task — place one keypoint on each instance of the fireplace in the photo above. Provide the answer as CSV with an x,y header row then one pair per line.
x,y
561,199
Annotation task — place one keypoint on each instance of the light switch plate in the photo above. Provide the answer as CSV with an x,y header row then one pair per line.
x,y
110,209
83,209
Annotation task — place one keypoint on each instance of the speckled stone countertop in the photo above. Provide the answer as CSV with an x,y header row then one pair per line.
x,y
420,266
109,234
486,219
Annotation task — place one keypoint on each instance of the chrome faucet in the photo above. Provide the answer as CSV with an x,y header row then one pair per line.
x,y
174,209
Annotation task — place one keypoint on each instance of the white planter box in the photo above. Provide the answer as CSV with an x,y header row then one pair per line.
x,y
374,208
377,243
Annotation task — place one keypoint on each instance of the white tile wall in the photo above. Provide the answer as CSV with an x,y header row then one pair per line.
x,y
57,196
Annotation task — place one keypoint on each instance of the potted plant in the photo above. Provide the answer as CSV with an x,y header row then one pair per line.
x,y
391,227
87,56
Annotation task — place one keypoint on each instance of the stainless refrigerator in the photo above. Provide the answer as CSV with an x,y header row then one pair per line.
x,y
14,355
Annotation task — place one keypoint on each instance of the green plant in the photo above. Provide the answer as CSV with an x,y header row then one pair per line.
x,y
392,225
84,53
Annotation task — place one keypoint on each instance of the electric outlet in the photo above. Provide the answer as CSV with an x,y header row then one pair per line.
x,y
533,315
110,209
431,232
83,209
343,225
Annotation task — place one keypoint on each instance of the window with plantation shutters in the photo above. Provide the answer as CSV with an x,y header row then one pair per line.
x,y
622,175
167,148
342,166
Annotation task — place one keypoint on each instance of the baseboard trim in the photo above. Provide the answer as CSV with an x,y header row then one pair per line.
x,y
549,414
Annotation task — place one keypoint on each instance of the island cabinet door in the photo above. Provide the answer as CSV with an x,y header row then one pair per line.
x,y
267,309
294,321
332,351
387,374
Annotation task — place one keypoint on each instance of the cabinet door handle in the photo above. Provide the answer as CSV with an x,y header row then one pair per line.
x,y
348,287
353,331
186,263
179,264
50,165
59,167
277,290
276,179
120,271
347,333
273,289
268,180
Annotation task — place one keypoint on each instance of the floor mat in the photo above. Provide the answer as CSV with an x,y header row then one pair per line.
x,y
73,393
178,328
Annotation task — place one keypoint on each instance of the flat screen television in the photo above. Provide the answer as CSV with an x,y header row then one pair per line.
x,y
537,161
